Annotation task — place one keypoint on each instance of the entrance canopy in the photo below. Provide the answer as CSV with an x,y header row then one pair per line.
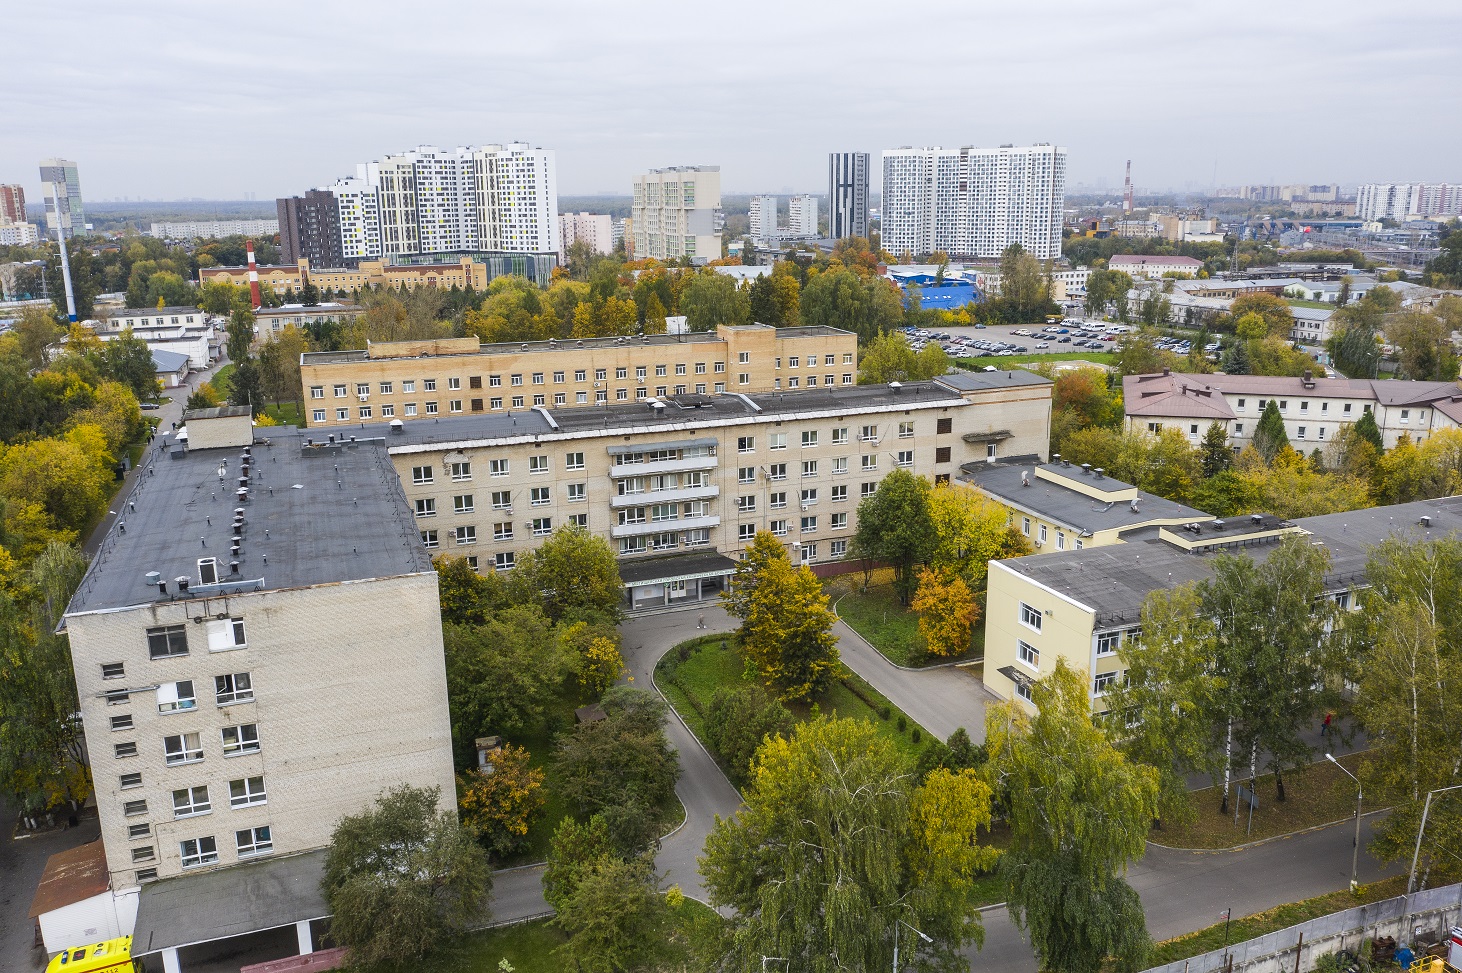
x,y
676,567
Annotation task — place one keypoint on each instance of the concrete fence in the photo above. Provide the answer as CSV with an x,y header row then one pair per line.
x,y
1433,911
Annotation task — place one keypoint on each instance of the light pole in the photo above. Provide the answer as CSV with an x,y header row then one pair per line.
x,y
896,942
1354,852
1425,809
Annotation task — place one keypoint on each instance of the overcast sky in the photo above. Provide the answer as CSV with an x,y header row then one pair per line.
x,y
173,100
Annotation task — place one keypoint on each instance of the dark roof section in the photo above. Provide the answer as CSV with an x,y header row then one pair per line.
x,y
71,876
1115,579
168,361
982,381
218,412
229,902
699,564
132,312
331,514
1063,505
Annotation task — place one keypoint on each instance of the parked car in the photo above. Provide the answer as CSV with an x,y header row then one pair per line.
x,y
1063,340
1042,344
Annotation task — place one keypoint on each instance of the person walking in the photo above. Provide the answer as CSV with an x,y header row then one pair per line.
x,y
700,621
1325,727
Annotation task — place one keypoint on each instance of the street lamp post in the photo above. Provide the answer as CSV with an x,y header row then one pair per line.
x,y
896,942
1354,852
1425,810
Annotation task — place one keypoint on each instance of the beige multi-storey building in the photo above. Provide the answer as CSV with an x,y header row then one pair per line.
x,y
680,484
411,380
1313,408
232,641
1085,606
676,213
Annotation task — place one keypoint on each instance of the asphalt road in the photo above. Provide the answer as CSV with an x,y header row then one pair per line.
x,y
21,862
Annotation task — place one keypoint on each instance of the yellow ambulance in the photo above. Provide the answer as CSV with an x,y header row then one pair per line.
x,y
111,956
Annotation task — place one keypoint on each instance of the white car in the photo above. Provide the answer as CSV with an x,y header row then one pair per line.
x,y
1043,344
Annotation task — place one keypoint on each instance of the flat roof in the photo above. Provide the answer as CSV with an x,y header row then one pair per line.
x,y
673,567
303,520
134,311
228,902
999,379
71,876
1062,504
1114,580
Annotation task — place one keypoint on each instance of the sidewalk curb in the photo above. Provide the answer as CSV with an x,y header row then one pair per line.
x,y
885,658
1272,838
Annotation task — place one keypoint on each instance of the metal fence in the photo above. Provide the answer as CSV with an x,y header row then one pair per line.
x,y
1433,911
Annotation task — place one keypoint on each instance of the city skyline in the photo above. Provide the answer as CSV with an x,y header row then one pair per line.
x,y
1023,75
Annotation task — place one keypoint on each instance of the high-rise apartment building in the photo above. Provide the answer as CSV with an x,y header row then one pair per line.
x,y
59,180
802,216
12,204
359,217
847,194
762,218
972,202
595,229
309,228
676,213
1404,201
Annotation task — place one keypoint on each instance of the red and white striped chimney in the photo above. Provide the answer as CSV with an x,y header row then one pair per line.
x,y
253,276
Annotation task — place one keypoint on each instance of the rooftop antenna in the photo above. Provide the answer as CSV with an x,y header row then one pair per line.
x,y
65,261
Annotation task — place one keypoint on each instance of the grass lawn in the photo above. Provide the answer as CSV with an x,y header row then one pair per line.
x,y
1282,917
220,380
1319,794
285,413
888,626
528,947
690,684
1296,302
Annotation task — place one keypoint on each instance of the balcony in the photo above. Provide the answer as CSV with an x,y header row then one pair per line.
x,y
651,497
664,526
621,470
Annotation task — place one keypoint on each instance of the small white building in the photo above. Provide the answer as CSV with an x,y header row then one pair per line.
x,y
170,367
74,903
270,321
18,234
1154,267
153,317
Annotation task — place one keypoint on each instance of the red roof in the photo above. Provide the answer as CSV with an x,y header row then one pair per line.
x,y
71,876
325,959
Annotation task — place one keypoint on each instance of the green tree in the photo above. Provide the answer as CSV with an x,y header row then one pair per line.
x,y
1366,428
1025,287
498,806
1217,456
621,767
888,358
894,526
1163,713
970,531
69,477
1273,311
574,574
1236,359
240,334
947,611
128,360
710,299
279,367
574,848
837,843
1269,434
738,720
614,917
1078,812
1274,655
402,877
245,386
786,634
1104,287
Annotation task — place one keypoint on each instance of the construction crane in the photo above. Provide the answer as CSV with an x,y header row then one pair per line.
x,y
1127,190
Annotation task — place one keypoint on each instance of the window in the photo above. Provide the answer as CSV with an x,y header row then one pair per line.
x,y
502,500
133,808
542,526
410,409
502,531
465,534
809,467
809,437
318,415
640,372
1028,654
342,414
573,461
743,378
122,722
1108,643
240,739
463,470
503,561
1030,617
778,500
1238,429
906,458
809,524
388,411
560,398
746,474
190,801
777,440
839,522
778,528
745,532
246,792
941,454
254,841
429,539
746,504
838,549
185,748
515,380
167,642
208,570
113,670
339,391
944,425
317,391
840,465
129,781
1023,690
176,697
809,553
365,412
408,386
455,405
538,496
233,687
135,831
990,449
746,444
745,358
1284,405
1102,681
601,374
840,436
455,384
581,375
579,520
199,851
869,462
906,430
426,507
867,490
720,367
809,497
577,492
386,388
839,493
125,750
462,503
700,368
679,369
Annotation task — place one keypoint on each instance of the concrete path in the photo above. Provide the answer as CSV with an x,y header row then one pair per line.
x,y
702,788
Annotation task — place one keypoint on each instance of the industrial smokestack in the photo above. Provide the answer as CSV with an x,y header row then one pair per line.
x,y
253,276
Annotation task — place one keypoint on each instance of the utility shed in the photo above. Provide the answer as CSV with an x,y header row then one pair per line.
x,y
74,903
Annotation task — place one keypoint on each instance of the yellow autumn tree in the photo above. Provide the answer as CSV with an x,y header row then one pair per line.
x,y
786,631
947,611
498,806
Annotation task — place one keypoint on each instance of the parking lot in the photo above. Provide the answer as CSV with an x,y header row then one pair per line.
x,y
1005,341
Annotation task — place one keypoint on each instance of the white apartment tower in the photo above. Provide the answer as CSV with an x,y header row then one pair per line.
x,y
847,194
595,229
802,216
359,204
676,213
762,218
972,202
1404,201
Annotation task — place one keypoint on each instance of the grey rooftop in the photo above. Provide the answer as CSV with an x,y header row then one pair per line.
x,y
320,515
1063,505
